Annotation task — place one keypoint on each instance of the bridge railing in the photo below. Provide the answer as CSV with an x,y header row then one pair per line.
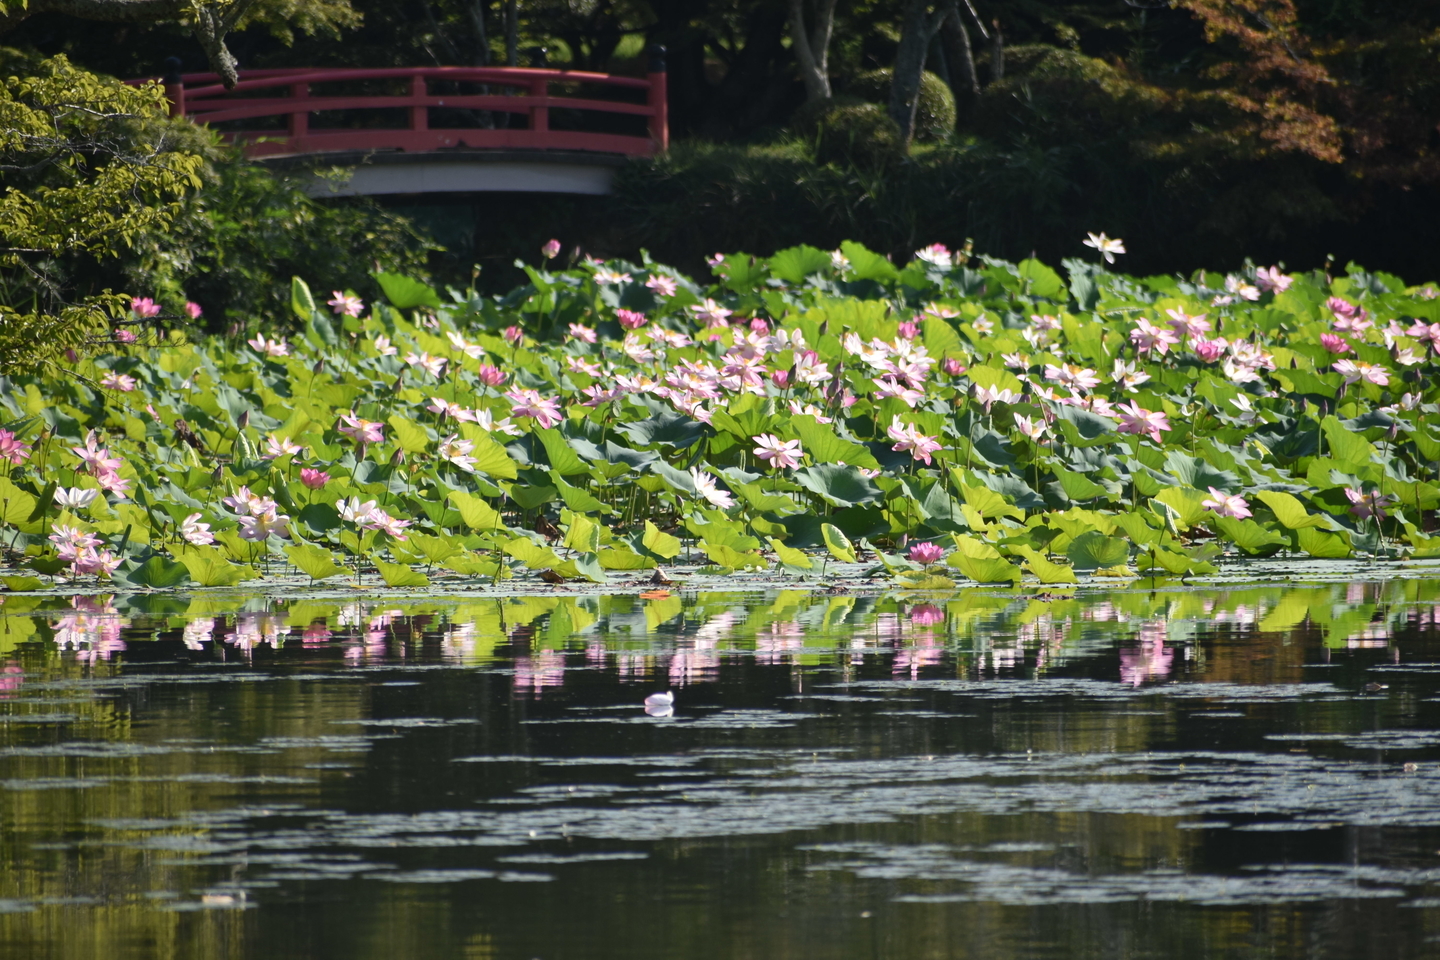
x,y
287,94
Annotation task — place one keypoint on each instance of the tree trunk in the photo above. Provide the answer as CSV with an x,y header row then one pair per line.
x,y
512,34
482,42
812,48
917,28
997,53
960,56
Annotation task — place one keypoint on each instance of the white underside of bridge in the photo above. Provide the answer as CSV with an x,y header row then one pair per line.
x,y
400,174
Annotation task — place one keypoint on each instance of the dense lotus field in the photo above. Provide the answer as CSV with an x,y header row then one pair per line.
x,y
954,417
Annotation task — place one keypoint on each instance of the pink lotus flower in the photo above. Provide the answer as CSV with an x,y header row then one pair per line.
x,y
711,313
1271,280
71,540
347,304
926,553
908,437
270,348
909,329
435,366
112,482
144,307
707,488
1034,429
195,532
97,459
118,381
313,478
662,286
886,388
384,347
937,255
631,319
1147,337
551,250
1185,325
1372,504
1355,370
952,367
1226,505
277,446
361,430
192,310
490,375
12,449
1072,375
782,454
581,332
781,378
606,277
513,335
1137,420
262,526
1333,343
125,336
1209,350
460,345
91,561
529,403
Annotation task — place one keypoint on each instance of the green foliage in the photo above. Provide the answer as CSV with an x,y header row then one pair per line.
x,y
88,167
861,136
934,113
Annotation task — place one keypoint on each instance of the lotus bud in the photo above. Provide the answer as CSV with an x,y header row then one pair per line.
x,y
909,329
781,378
244,420
952,367
758,325
551,250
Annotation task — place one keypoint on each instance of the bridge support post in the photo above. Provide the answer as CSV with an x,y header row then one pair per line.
x,y
659,99
540,116
174,86
300,118
419,116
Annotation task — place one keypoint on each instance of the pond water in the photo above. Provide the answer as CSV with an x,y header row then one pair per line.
x,y
1234,772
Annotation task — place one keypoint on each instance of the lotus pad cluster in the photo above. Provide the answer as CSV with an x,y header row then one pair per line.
x,y
954,416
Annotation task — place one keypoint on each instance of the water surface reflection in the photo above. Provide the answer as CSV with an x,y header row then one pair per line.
x,y
1178,773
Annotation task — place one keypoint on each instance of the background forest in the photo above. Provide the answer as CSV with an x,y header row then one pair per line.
x,y
1202,131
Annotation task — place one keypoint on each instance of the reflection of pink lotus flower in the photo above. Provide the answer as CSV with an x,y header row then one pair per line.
x,y
544,669
926,614
1149,661
926,553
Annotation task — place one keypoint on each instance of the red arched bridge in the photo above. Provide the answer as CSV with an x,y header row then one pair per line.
x,y
437,129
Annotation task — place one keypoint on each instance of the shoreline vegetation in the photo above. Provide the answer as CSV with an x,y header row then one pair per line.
x,y
951,419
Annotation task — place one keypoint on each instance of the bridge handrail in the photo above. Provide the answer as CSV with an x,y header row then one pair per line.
x,y
205,99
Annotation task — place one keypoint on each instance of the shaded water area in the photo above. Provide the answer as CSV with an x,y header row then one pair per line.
x,y
1207,772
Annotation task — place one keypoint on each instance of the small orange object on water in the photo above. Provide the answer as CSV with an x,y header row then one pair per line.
x,y
654,594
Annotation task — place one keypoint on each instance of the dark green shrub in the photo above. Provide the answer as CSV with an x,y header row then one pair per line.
x,y
935,114
862,136
806,120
